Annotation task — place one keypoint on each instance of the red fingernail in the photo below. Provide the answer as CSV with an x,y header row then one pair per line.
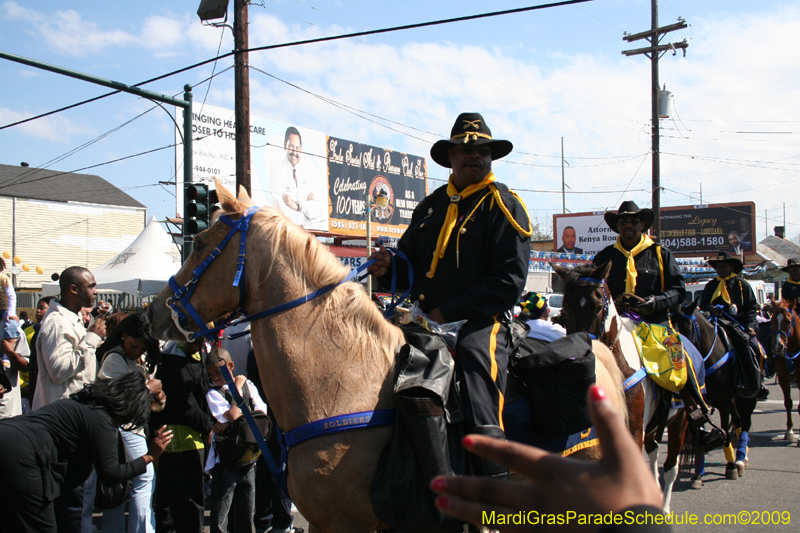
x,y
468,443
442,502
598,394
438,484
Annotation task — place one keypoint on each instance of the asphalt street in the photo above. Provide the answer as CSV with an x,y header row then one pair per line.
x,y
771,481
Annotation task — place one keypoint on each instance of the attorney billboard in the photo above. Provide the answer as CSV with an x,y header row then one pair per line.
x,y
688,231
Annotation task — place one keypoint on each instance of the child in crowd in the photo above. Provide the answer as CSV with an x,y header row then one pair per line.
x,y
232,486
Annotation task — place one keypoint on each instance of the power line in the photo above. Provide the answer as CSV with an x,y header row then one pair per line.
x,y
312,41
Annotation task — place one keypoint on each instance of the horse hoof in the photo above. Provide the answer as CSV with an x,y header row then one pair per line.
x,y
789,435
731,472
697,483
740,468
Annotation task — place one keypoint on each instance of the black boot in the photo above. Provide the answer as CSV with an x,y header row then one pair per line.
x,y
483,467
424,418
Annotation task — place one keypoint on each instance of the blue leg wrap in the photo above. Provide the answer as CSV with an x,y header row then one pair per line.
x,y
741,447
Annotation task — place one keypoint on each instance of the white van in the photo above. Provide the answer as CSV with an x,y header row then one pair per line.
x,y
694,290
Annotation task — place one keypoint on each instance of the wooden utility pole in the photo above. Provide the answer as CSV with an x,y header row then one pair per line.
x,y
242,95
654,51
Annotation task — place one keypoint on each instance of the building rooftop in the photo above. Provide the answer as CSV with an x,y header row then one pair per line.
x,y
55,186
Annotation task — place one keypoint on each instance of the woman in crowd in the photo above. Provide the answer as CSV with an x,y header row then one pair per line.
x,y
130,348
70,436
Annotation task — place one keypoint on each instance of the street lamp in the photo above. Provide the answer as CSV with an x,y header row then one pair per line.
x,y
381,200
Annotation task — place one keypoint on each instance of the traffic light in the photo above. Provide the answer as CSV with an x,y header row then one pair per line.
x,y
196,218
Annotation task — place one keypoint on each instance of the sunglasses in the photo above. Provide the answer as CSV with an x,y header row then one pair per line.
x,y
482,151
629,222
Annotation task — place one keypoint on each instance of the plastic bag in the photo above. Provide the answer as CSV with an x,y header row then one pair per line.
x,y
448,332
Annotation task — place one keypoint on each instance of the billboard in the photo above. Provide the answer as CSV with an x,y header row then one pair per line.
x,y
688,231
318,182
581,234
709,229
358,171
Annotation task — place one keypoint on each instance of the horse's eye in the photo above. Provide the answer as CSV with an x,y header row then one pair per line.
x,y
198,245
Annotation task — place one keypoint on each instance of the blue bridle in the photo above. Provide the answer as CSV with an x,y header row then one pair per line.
x,y
182,295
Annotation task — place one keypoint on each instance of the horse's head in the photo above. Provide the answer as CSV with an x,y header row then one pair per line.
x,y
784,325
585,298
212,292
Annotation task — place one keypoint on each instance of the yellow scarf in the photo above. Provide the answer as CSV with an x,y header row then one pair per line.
x,y
790,280
630,279
722,289
452,216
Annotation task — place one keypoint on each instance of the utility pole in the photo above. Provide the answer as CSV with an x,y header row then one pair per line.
x,y
563,186
242,95
654,51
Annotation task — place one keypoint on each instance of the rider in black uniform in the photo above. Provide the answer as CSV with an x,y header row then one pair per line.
x,y
645,278
469,247
791,287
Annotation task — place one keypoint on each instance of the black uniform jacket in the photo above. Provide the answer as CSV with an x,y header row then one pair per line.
x,y
648,278
790,291
741,294
489,274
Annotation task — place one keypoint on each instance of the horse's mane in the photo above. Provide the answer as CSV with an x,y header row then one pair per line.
x,y
314,266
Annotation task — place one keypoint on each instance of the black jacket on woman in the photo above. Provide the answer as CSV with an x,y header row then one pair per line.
x,y
48,448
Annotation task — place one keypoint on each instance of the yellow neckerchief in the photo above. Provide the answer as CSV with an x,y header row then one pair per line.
x,y
722,289
792,281
452,216
630,279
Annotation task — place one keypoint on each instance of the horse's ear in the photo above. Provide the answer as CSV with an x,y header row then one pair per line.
x,y
226,199
561,271
602,271
690,308
244,198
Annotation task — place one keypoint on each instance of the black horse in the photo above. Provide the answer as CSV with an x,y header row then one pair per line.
x,y
735,412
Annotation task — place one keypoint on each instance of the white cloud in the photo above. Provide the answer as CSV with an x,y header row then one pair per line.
x,y
67,31
53,128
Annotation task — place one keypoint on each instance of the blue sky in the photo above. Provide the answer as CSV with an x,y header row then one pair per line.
x,y
536,77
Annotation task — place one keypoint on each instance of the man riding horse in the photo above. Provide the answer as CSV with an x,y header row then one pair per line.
x,y
732,300
790,290
468,244
645,278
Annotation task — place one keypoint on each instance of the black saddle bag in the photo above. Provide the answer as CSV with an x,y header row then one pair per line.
x,y
746,367
557,376
424,443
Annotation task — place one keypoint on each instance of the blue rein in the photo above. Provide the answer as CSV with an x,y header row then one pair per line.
x,y
182,295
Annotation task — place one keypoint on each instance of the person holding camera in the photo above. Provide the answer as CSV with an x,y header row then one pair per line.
x,y
66,360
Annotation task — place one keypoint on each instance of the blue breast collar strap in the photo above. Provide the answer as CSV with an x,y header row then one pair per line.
x,y
716,366
635,378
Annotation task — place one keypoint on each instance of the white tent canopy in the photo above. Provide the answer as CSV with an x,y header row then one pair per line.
x,y
141,269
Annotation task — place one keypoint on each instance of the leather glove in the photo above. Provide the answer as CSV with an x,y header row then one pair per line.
x,y
647,307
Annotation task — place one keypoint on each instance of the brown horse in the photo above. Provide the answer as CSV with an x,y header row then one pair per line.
x,y
333,355
785,347
589,307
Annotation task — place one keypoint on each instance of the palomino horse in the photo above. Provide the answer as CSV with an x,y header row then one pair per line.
x,y
589,307
332,356
734,412
785,349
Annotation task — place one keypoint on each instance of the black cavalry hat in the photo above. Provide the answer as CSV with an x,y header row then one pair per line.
x,y
791,263
630,209
469,129
725,257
